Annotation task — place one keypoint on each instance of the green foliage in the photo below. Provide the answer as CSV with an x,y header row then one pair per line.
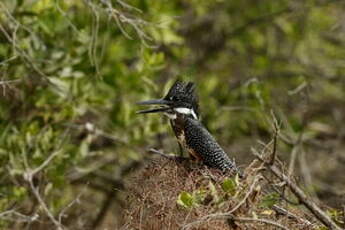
x,y
229,185
186,200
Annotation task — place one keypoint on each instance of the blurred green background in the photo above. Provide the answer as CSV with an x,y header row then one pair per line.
x,y
71,72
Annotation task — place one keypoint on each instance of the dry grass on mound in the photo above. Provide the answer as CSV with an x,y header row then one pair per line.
x,y
170,195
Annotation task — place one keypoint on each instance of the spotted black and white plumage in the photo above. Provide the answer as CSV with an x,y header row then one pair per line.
x,y
201,141
181,106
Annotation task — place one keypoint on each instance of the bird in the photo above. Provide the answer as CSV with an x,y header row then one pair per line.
x,y
181,106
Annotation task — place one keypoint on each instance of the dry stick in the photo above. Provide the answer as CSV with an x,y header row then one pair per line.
x,y
301,196
285,212
265,221
168,156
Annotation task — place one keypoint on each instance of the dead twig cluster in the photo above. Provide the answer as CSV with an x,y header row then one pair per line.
x,y
272,166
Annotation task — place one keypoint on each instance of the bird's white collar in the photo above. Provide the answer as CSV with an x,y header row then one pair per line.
x,y
186,111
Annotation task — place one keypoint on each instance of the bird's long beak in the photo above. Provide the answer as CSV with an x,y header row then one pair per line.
x,y
154,102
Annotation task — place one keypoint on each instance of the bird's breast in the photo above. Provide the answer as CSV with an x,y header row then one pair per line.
x,y
178,126
181,138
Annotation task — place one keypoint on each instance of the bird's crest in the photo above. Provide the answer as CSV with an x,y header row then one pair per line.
x,y
184,93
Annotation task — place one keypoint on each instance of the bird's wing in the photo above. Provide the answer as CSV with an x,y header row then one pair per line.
x,y
202,142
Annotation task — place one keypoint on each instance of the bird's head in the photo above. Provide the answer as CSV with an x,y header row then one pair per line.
x,y
180,100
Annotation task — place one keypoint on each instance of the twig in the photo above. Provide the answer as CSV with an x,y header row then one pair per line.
x,y
121,18
251,189
168,156
130,7
64,14
44,164
18,217
285,212
44,205
76,200
28,176
4,62
265,221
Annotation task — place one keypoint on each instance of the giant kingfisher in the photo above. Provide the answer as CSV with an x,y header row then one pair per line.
x,y
182,107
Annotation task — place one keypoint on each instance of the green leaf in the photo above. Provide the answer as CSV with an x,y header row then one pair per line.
x,y
229,185
186,200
